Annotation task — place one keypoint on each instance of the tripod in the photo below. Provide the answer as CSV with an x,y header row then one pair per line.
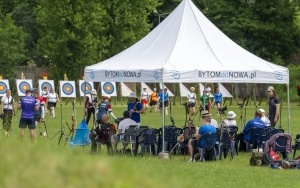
x,y
61,131
242,120
171,118
42,133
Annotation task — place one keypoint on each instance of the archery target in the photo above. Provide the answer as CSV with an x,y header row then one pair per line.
x,y
109,88
87,89
67,89
23,85
3,87
46,83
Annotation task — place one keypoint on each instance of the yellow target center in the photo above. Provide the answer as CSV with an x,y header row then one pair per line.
x,y
68,89
108,88
24,87
86,88
1,88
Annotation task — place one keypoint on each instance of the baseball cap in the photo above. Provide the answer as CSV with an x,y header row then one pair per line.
x,y
271,88
208,89
261,110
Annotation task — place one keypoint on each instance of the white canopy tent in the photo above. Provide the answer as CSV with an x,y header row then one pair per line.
x,y
186,47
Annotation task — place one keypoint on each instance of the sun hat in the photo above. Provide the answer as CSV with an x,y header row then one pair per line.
x,y
271,88
192,88
208,89
261,110
231,115
93,92
205,113
133,95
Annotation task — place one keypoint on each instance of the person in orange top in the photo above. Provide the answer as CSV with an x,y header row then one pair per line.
x,y
153,100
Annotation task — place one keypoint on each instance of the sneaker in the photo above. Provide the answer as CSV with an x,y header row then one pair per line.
x,y
190,161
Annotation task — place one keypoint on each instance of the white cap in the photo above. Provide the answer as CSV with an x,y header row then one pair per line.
x,y
208,89
261,110
93,92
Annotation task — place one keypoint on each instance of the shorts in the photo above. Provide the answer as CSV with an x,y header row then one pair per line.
x,y
191,104
144,101
27,122
51,104
166,104
153,103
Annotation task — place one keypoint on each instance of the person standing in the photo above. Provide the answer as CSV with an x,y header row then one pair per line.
x,y
153,100
104,107
7,110
191,103
28,105
44,95
135,108
163,95
204,99
90,104
52,100
38,113
274,106
144,98
218,99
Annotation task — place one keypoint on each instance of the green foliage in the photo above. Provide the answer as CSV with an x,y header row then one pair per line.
x,y
12,46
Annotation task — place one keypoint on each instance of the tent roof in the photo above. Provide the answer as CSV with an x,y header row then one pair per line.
x,y
186,47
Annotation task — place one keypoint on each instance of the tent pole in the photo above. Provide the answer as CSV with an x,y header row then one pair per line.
x,y
289,112
84,98
163,115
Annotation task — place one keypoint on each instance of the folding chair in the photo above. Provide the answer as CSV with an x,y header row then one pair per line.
x,y
105,133
255,133
128,138
206,144
171,133
149,139
81,137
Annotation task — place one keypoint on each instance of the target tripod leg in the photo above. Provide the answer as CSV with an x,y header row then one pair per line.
x,y
46,129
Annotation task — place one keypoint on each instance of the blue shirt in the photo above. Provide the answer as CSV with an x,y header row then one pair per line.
x,y
136,107
206,129
256,122
166,96
28,103
218,97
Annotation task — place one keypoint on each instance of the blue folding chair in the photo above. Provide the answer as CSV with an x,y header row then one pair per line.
x,y
81,137
206,144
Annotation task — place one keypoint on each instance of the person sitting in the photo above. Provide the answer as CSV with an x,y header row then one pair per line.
x,y
229,121
264,118
256,122
98,134
213,122
123,125
206,127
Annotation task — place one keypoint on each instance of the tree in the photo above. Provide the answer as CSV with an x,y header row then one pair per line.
x,y
12,46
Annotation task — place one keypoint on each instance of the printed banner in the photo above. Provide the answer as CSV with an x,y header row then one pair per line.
x,y
125,90
67,89
4,85
22,86
89,86
109,89
46,83
184,91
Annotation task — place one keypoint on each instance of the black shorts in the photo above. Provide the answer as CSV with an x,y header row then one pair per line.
x,y
27,122
166,104
152,103
191,104
51,104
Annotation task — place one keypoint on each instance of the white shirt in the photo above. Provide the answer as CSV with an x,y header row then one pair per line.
x,y
7,103
144,95
126,123
266,120
214,123
52,97
229,122
191,97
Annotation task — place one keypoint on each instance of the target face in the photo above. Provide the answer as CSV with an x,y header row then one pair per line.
x,y
67,88
23,86
3,87
108,88
48,85
88,88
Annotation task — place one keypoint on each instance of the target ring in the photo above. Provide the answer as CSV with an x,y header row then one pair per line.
x,y
46,84
3,87
88,88
108,88
68,89
24,86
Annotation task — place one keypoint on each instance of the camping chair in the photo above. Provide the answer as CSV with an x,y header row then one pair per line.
x,y
266,135
297,145
206,144
139,136
81,137
280,142
188,133
149,139
228,141
105,133
128,138
255,133
171,133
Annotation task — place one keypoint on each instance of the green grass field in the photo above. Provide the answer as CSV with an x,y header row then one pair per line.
x,y
46,164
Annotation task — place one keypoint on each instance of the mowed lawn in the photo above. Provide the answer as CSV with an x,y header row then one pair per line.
x,y
46,164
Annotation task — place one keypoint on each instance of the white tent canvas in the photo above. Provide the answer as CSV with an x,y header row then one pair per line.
x,y
183,90
125,90
148,89
186,47
224,91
